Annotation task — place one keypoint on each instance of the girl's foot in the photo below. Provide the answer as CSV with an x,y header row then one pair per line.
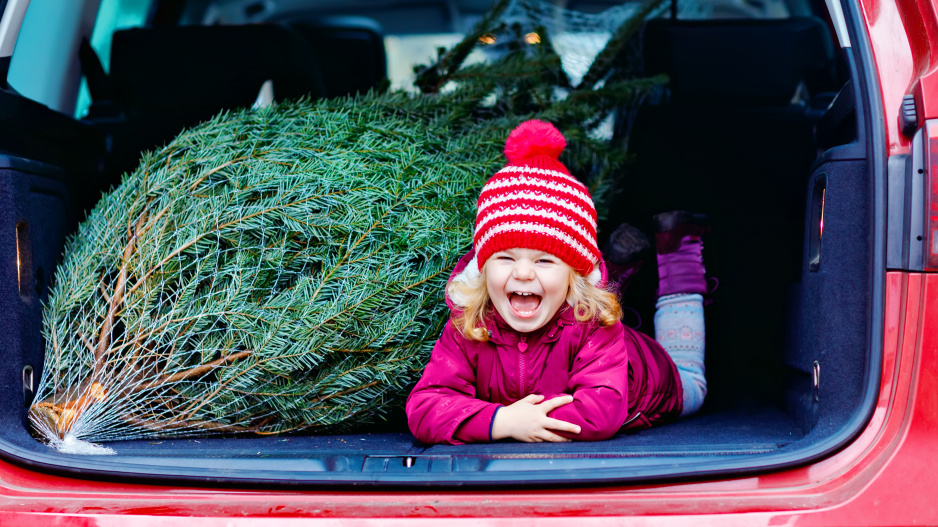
x,y
624,254
680,260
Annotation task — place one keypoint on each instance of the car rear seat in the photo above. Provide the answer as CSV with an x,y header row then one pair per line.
x,y
740,62
202,69
350,51
729,138
163,79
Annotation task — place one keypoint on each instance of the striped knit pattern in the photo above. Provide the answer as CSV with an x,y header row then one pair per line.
x,y
535,203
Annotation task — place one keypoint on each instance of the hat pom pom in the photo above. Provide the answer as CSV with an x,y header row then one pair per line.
x,y
534,138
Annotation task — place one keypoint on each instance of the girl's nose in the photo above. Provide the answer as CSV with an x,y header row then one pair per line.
x,y
523,270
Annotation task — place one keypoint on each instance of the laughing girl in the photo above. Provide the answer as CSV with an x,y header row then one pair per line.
x,y
535,350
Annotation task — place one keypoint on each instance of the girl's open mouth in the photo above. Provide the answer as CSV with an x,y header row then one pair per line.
x,y
524,304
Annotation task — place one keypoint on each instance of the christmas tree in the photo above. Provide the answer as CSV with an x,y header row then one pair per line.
x,y
283,269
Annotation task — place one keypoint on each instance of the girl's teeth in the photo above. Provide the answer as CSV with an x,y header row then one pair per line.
x,y
524,303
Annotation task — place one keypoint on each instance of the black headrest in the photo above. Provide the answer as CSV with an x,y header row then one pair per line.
x,y
350,51
193,68
738,61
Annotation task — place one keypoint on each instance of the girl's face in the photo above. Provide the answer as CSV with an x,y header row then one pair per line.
x,y
526,286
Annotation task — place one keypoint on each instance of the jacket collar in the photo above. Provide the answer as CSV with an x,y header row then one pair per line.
x,y
502,334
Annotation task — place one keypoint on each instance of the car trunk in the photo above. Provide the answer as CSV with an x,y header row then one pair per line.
x,y
793,343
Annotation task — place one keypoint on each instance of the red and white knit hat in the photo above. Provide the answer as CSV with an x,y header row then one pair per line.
x,y
534,203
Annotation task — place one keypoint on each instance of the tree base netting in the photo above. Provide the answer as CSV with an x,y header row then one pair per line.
x,y
283,269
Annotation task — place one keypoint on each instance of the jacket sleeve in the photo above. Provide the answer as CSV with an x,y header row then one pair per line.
x,y
599,383
442,408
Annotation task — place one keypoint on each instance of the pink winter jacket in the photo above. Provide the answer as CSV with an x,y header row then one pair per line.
x,y
619,378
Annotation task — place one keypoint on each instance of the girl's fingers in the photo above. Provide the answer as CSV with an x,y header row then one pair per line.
x,y
563,426
547,435
533,398
556,402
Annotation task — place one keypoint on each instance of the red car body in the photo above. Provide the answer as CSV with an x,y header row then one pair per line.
x,y
886,476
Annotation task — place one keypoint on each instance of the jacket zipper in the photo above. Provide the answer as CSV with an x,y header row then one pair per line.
x,y
634,417
522,347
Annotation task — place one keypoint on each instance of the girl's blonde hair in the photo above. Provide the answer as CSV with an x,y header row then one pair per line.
x,y
589,303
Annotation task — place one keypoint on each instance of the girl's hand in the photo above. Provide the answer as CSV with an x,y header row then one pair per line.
x,y
527,421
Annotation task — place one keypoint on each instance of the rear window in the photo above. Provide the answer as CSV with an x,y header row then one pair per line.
x,y
113,15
